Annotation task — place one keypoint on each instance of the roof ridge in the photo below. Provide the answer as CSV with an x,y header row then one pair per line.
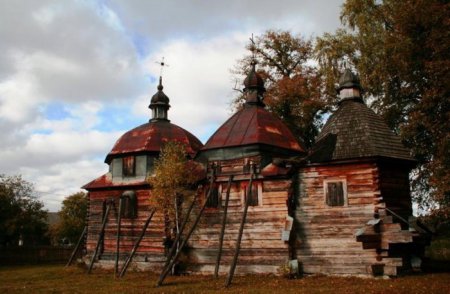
x,y
249,124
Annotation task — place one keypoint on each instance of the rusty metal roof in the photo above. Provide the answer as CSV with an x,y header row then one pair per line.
x,y
105,181
253,125
151,136
356,131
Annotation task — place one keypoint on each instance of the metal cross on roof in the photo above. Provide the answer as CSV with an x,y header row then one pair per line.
x,y
253,49
162,64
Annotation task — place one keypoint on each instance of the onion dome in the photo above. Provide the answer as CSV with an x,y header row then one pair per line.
x,y
349,80
254,86
159,104
356,131
150,137
253,124
349,86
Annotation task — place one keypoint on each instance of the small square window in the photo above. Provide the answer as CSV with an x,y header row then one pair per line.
x,y
253,200
335,195
129,166
129,204
213,201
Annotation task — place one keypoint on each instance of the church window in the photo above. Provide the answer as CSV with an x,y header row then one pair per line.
x,y
253,200
335,192
214,199
129,204
129,166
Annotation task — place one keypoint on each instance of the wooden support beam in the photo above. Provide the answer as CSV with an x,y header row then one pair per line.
x,y
177,255
177,238
241,230
77,247
136,245
119,222
222,231
100,235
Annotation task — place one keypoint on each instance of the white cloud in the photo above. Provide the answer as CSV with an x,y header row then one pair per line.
x,y
197,80
61,180
205,19
91,55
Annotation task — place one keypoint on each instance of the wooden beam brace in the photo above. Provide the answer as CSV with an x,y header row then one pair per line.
x,y
222,231
241,230
77,247
136,245
101,234
177,255
119,223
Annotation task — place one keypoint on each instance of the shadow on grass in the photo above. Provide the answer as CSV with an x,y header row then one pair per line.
x,y
435,266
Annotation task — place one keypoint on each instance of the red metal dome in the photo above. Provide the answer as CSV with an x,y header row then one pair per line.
x,y
253,125
151,136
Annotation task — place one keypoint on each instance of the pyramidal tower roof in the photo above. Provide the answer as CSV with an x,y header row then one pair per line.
x,y
356,131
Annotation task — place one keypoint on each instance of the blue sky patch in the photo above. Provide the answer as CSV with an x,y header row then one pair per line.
x,y
56,111
118,117
43,132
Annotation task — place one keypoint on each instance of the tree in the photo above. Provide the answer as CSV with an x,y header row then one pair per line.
x,y
401,51
72,218
172,183
294,91
22,216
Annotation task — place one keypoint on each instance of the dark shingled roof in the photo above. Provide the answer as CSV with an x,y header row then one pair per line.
x,y
355,131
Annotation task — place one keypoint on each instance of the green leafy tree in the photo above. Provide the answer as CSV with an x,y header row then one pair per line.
x,y
72,218
172,183
294,85
22,216
401,51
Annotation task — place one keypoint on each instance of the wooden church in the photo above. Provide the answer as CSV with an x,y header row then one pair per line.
x,y
341,208
125,187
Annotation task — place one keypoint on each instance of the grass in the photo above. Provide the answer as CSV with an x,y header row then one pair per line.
x,y
57,279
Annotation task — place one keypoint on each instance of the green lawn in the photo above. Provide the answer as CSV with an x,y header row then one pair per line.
x,y
57,279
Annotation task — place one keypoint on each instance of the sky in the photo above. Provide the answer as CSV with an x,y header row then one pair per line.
x,y
75,75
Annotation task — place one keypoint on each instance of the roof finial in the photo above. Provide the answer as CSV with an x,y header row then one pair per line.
x,y
159,104
162,64
160,86
254,84
253,50
349,86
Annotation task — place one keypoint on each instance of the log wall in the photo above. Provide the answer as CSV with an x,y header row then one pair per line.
x,y
150,253
394,186
326,240
262,249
